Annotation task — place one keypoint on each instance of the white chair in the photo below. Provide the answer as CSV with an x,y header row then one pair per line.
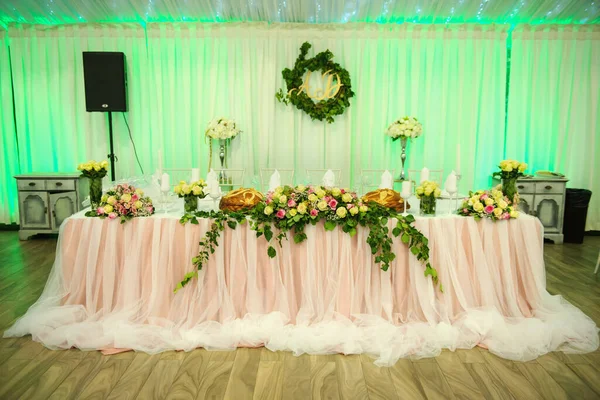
x,y
436,175
315,176
230,179
287,177
178,174
370,179
597,264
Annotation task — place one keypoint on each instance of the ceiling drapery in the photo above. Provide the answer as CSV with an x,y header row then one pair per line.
x,y
310,11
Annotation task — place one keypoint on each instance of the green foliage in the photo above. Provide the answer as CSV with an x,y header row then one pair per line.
x,y
325,109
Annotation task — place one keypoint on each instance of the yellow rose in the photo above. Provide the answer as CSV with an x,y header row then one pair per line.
x,y
437,192
489,202
363,209
186,189
197,190
279,190
275,197
496,194
522,167
336,192
497,212
88,167
420,190
138,204
140,192
97,167
503,164
301,188
474,198
502,204
341,212
283,199
80,167
104,164
346,197
478,206
177,189
320,193
111,200
322,206
104,198
126,197
182,183
514,214
428,191
268,210
508,168
108,208
312,197
514,164
293,212
354,210
302,208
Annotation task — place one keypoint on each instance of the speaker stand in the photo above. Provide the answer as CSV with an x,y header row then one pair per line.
x,y
111,155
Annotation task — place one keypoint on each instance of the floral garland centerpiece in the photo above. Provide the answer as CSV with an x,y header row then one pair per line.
x,y
221,129
427,192
404,129
191,193
510,171
94,171
492,204
125,202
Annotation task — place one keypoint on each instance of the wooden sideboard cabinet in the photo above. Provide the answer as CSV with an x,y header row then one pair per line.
x,y
545,199
47,199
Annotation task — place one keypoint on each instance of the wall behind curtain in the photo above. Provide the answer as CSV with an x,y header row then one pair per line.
x,y
554,103
9,165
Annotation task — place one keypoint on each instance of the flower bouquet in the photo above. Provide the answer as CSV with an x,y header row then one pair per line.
x,y
428,192
125,202
221,129
488,204
94,171
407,127
190,193
510,171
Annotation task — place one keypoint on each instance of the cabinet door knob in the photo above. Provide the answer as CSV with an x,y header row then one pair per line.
x,y
31,183
58,183
548,187
521,187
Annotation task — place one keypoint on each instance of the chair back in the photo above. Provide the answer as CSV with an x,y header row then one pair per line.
x,y
287,177
370,179
230,179
178,174
315,176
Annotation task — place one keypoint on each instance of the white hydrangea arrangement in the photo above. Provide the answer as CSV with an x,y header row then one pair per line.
x,y
222,128
407,127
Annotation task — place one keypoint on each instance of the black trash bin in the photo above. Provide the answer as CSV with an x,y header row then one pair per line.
x,y
576,208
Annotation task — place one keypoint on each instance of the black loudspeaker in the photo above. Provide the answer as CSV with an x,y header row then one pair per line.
x,y
105,81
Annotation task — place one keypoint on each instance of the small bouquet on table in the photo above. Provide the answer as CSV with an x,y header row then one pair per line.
x,y
191,192
488,204
123,201
510,171
94,171
427,192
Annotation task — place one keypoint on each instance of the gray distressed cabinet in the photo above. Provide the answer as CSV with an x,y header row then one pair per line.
x,y
46,200
545,199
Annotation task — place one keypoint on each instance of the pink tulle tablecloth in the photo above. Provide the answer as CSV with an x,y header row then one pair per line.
x,y
112,284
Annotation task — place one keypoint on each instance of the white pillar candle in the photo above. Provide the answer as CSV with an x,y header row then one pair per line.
x,y
424,174
406,188
195,174
160,161
165,183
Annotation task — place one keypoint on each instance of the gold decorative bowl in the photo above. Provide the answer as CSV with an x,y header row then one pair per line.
x,y
386,198
240,199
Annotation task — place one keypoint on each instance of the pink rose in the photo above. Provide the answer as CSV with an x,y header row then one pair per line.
x,y
149,209
349,206
100,210
484,196
126,205
280,213
465,210
135,198
314,212
269,201
489,209
326,199
112,215
342,191
311,190
333,204
291,203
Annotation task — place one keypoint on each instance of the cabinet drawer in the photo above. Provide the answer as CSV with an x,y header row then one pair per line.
x,y
60,184
549,187
31,184
526,187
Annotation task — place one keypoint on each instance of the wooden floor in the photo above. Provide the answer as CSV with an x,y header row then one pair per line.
x,y
29,371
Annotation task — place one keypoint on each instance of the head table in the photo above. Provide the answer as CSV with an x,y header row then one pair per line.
x,y
112,284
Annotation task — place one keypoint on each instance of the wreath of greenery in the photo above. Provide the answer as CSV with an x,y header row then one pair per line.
x,y
324,109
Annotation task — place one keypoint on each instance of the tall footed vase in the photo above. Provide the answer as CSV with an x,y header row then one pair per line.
x,y
403,142
223,178
95,192
509,188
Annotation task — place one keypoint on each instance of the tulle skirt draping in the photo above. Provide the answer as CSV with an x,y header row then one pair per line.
x,y
112,284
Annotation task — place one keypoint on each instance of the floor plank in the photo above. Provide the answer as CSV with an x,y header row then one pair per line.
x,y
433,381
269,380
32,371
323,381
566,378
214,381
105,380
243,375
350,377
134,377
406,380
189,376
488,383
160,380
458,378
588,374
79,378
296,375
508,373
542,381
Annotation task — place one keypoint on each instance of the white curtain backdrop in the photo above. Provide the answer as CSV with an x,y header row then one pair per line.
x,y
554,103
182,75
8,145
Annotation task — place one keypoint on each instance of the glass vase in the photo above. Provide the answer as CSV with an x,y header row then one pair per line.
x,y
427,206
509,188
95,192
190,204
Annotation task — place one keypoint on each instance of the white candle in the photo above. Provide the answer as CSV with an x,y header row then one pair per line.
x,y
406,188
458,159
424,174
451,183
165,184
195,174
160,161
